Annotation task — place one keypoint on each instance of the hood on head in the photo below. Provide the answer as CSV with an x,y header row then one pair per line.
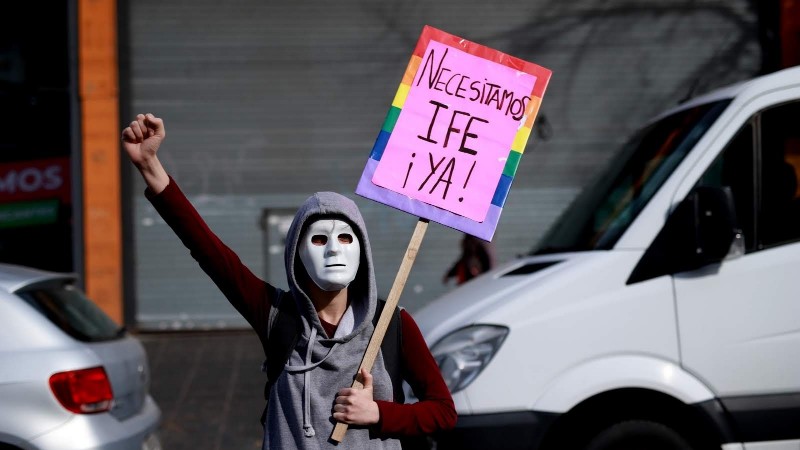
x,y
362,292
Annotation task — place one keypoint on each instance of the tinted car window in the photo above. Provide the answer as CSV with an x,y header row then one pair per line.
x,y
733,168
779,214
70,310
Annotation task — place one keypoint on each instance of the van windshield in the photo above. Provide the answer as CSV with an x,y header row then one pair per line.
x,y
605,208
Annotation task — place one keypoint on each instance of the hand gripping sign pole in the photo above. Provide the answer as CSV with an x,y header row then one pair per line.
x,y
386,315
450,146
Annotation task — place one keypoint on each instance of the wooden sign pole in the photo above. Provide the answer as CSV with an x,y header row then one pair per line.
x,y
386,316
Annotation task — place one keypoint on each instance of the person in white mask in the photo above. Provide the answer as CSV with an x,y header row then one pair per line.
x,y
315,334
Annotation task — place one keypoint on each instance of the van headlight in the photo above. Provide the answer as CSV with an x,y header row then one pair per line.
x,y
464,353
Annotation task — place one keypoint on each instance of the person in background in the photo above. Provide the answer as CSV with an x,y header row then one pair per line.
x,y
476,258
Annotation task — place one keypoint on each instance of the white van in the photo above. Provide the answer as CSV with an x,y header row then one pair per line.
x,y
662,311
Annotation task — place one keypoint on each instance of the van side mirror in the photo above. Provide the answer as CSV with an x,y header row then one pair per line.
x,y
714,223
700,231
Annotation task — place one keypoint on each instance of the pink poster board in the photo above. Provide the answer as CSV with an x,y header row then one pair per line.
x,y
455,132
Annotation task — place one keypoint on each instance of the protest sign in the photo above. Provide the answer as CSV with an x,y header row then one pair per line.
x,y
454,135
449,147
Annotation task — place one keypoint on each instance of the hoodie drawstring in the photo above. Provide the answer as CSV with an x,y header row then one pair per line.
x,y
308,429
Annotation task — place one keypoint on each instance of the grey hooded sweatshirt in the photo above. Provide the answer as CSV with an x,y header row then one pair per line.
x,y
299,415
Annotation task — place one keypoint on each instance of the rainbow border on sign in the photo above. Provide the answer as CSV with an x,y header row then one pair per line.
x,y
484,230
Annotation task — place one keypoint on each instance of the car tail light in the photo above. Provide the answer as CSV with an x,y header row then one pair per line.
x,y
85,391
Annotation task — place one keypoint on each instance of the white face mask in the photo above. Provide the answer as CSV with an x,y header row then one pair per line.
x,y
331,253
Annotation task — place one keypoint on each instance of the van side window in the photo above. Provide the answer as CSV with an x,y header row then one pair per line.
x,y
779,211
734,168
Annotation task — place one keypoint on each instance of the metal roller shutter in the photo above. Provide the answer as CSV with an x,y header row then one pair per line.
x,y
267,102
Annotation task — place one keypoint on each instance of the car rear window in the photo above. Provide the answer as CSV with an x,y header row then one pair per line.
x,y
69,309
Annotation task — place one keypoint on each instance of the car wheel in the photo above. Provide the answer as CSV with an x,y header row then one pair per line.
x,y
638,435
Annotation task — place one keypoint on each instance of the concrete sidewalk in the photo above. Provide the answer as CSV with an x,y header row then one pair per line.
x,y
209,387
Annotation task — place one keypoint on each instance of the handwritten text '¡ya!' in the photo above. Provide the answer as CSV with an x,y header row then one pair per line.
x,y
445,176
456,84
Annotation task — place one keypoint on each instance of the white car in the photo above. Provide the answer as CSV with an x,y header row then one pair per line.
x,y
662,311
70,378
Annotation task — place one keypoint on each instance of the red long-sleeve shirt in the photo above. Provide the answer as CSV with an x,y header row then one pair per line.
x,y
252,297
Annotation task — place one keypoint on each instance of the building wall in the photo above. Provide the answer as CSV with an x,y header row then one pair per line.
x,y
268,102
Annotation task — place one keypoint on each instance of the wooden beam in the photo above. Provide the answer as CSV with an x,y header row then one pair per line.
x,y
100,153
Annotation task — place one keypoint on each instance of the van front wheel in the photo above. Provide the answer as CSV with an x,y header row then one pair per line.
x,y
637,435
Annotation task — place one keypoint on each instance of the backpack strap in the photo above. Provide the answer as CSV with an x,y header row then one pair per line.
x,y
390,348
283,332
